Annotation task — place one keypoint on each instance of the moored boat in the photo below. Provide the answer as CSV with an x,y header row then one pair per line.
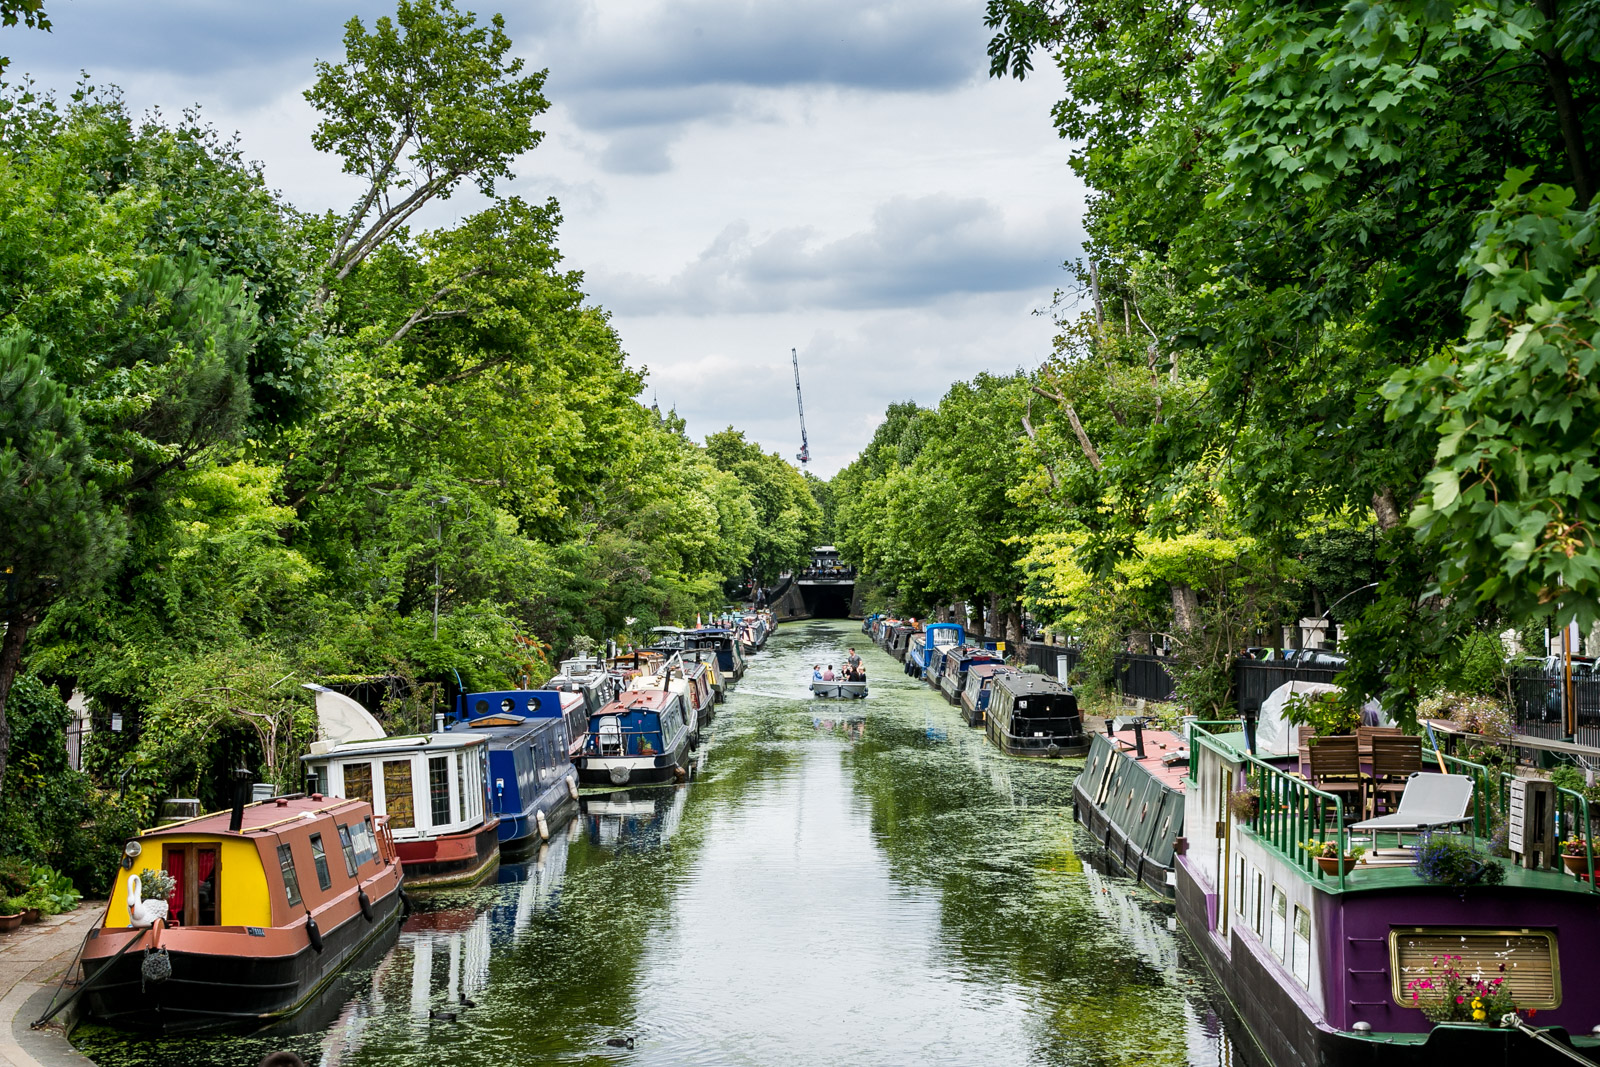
x,y
1129,796
1033,715
926,658
532,781
952,677
643,736
430,789
976,693
269,903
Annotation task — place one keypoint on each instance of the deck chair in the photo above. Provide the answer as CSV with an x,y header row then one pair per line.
x,y
1430,801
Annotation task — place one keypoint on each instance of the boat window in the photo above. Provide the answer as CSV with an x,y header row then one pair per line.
x,y
481,707
398,802
1300,965
320,860
193,900
508,706
358,781
1528,958
291,881
348,847
1280,924
461,785
1257,901
369,842
1239,904
439,789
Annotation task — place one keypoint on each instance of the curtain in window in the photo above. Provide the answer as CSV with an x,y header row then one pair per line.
x,y
175,898
397,798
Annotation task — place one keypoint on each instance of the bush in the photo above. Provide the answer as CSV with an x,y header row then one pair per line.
x,y
1476,665
1444,859
1326,713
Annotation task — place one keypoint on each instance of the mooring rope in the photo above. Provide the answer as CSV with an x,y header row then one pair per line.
x,y
1517,1022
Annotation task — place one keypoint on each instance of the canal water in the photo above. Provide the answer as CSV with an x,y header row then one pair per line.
x,y
842,883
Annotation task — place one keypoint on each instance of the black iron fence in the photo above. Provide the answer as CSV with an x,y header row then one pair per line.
x,y
1254,680
1044,656
1536,706
1141,675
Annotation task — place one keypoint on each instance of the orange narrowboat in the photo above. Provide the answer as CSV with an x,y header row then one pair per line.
x,y
237,919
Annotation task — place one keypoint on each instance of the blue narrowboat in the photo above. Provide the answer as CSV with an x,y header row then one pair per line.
x,y
531,777
725,643
952,678
643,736
924,661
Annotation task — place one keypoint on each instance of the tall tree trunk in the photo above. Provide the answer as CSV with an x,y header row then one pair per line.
x,y
1185,608
1567,116
1388,511
1016,639
10,663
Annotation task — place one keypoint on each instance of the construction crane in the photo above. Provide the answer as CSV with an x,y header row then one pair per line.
x,y
805,448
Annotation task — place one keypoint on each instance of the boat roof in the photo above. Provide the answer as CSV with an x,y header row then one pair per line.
x,y
983,670
263,816
1023,684
394,745
638,700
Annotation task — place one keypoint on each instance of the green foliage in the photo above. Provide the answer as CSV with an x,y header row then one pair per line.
x,y
1325,713
1476,665
1447,860
787,517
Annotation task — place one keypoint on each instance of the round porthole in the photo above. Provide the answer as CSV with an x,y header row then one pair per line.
x,y
533,705
481,707
507,706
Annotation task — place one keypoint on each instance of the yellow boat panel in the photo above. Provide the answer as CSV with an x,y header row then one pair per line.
x,y
242,891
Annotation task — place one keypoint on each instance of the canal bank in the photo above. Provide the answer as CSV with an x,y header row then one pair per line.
x,y
867,882
33,960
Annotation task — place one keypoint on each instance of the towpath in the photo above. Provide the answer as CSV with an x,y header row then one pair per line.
x,y
32,961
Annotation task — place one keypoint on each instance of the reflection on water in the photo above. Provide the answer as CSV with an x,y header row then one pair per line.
x,y
871,885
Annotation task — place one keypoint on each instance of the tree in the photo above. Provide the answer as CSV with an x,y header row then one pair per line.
x,y
57,536
422,102
787,516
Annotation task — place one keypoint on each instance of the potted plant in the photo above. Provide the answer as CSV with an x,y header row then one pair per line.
x,y
1447,860
1327,856
1445,995
1575,854
1244,803
11,911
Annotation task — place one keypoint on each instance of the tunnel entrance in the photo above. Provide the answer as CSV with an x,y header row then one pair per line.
x,y
828,601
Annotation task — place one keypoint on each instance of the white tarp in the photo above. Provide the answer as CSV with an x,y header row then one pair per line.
x,y
340,719
1275,735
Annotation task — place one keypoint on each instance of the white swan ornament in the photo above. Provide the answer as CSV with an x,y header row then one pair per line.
x,y
143,913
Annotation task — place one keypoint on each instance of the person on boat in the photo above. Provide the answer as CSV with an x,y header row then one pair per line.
x,y
816,672
827,675
852,667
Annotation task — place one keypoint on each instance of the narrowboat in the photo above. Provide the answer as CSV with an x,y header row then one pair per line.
x,y
1034,715
1329,965
644,736
532,784
928,656
269,903
430,789
957,661
588,676
975,694
689,680
1129,796
723,644
899,642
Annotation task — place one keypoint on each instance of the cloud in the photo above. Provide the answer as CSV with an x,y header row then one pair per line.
x,y
917,250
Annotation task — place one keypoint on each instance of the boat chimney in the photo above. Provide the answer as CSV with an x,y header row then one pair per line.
x,y
438,722
241,796
1251,710
1138,737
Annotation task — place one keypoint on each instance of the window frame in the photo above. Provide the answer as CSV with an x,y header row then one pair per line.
x,y
347,846
291,876
319,860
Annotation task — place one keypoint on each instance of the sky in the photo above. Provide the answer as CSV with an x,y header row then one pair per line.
x,y
738,179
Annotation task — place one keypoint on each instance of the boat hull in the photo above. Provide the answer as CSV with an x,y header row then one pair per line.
x,y
839,690
520,833
451,859
1129,810
1075,746
225,978
1289,1037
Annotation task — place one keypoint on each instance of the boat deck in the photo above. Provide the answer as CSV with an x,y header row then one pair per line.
x,y
1157,744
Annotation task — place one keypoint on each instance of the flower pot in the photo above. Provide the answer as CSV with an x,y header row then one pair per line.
x,y
1576,864
30,915
1336,864
10,922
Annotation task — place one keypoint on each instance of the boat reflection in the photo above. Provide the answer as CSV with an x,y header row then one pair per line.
x,y
634,819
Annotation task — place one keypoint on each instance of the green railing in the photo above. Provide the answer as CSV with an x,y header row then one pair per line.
x,y
1204,726
1572,817
1480,776
1289,810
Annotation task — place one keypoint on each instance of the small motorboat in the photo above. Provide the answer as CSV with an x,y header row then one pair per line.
x,y
839,690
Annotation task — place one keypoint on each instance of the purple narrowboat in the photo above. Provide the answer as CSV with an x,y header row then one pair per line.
x,y
1328,962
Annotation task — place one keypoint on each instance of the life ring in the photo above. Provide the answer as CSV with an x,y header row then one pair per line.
x,y
544,826
572,786
366,904
313,933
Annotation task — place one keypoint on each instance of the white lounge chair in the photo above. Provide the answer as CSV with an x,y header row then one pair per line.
x,y
1430,801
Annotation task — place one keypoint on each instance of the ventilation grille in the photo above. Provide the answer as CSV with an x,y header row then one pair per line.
x,y
1529,958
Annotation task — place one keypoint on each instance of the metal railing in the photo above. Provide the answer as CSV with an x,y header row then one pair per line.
x,y
1288,810
1572,812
